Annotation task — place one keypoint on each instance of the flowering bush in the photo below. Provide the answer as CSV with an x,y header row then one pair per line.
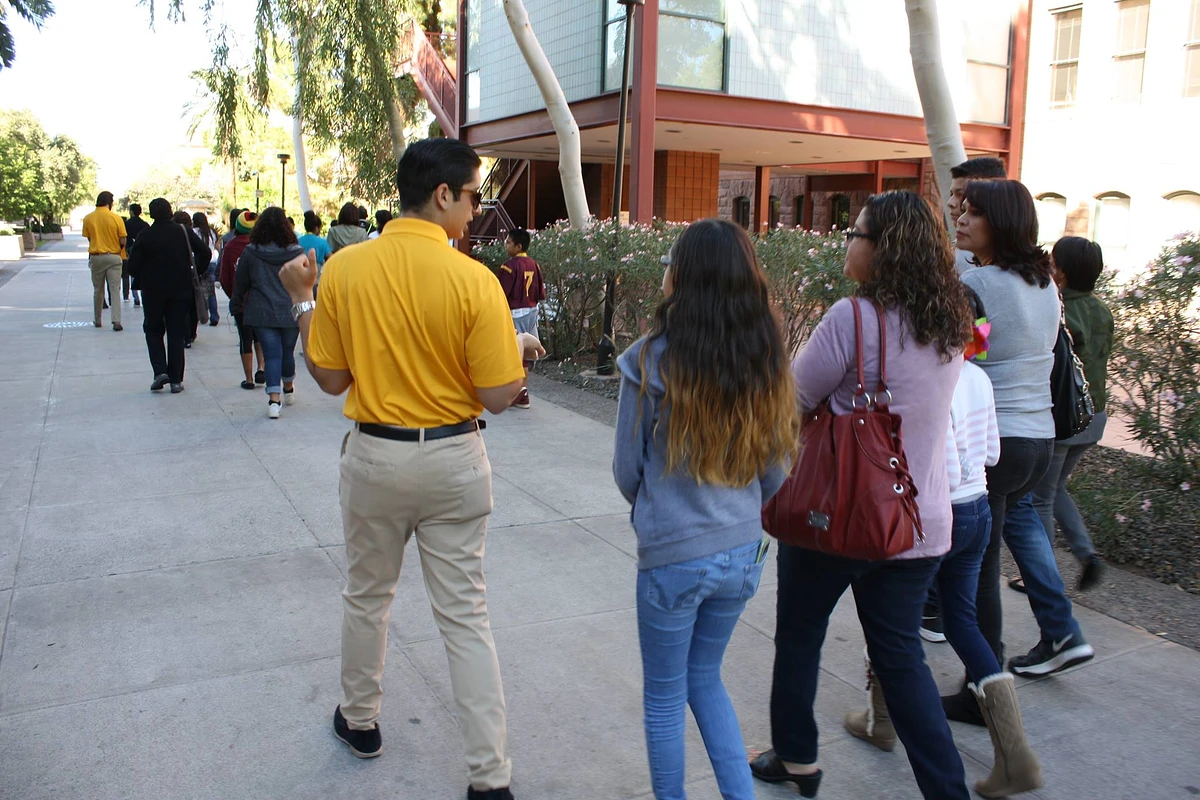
x,y
804,269
1156,356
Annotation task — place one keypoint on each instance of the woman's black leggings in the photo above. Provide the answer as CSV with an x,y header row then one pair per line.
x,y
246,338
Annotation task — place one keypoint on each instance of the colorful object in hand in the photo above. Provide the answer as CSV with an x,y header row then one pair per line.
x,y
977,348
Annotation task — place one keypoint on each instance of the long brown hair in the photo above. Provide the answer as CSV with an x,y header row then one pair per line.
x,y
730,401
1010,213
913,269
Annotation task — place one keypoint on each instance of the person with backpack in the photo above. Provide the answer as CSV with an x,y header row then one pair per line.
x,y
704,437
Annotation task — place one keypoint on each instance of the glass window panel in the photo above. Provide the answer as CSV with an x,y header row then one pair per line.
x,y
1112,222
1067,27
615,10
691,53
773,211
1062,84
741,211
988,100
473,96
1133,17
614,54
1191,84
1052,218
987,36
709,9
1184,213
1127,86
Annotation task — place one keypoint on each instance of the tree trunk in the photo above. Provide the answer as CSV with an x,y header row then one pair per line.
x,y
396,128
298,135
941,122
570,153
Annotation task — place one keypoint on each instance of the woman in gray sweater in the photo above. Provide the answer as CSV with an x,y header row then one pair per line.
x,y
268,306
1012,278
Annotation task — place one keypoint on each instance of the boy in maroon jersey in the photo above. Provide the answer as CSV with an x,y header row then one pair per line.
x,y
521,280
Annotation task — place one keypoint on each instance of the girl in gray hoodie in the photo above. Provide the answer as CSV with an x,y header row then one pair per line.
x,y
706,425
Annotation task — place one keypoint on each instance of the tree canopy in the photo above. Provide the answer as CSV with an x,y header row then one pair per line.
x,y
36,12
40,174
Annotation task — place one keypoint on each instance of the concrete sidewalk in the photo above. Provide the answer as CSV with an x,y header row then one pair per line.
x,y
170,569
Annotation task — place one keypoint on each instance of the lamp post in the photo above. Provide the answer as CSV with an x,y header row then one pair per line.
x,y
283,159
607,348
257,190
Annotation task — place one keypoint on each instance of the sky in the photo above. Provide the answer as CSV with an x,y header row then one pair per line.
x,y
96,72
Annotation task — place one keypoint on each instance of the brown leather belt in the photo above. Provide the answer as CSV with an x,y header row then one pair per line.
x,y
414,434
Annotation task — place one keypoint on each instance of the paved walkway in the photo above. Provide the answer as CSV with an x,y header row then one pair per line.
x,y
169,608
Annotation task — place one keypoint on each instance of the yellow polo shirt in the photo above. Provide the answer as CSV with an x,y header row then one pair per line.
x,y
417,323
103,230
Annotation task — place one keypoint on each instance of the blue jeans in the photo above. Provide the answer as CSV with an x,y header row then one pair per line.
x,y
889,596
279,355
1053,502
1030,547
686,614
958,582
213,315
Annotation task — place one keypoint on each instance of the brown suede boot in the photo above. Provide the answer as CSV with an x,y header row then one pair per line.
x,y
875,724
1016,768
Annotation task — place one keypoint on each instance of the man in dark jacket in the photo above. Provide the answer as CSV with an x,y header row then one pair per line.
x,y
163,269
134,226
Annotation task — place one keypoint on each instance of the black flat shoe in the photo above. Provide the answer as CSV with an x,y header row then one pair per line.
x,y
1017,584
770,769
963,707
260,377
247,384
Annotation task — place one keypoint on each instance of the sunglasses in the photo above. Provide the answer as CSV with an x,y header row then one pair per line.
x,y
476,197
859,235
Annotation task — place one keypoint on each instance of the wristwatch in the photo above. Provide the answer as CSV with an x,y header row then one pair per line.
x,y
299,308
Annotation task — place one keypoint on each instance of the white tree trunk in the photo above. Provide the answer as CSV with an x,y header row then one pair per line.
x,y
396,129
298,136
941,122
570,153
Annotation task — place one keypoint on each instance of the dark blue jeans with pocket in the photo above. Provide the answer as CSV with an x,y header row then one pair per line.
x,y
889,596
686,613
958,584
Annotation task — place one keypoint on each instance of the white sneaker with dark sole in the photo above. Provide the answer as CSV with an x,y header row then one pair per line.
x,y
273,410
1049,657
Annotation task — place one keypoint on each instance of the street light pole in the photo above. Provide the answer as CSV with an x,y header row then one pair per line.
x,y
607,348
257,190
283,159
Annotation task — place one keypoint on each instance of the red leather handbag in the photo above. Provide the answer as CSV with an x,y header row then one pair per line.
x,y
850,493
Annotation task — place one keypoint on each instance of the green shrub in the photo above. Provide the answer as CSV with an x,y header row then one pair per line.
x,y
804,269
51,227
6,232
1156,356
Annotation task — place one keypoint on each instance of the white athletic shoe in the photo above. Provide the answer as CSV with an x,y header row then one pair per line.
x,y
273,410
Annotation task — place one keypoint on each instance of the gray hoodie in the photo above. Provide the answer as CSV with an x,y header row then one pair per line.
x,y
675,517
340,236
257,289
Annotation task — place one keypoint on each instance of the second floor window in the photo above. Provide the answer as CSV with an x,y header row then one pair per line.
x,y
1129,59
1064,69
1191,79
691,44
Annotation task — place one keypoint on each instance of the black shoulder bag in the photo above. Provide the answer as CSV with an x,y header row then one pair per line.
x,y
1069,390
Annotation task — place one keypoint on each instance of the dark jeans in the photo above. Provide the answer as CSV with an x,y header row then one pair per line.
x,y
958,583
1022,464
166,314
279,355
1053,502
889,595
126,281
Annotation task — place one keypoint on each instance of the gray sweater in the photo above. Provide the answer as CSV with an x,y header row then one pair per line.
x,y
1021,349
675,517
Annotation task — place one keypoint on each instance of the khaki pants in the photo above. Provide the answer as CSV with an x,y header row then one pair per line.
x,y
106,267
442,491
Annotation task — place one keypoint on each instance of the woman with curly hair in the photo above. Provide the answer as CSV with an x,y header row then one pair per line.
x,y
706,425
1012,276
899,255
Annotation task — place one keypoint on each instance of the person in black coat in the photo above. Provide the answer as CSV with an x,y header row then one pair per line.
x,y
163,270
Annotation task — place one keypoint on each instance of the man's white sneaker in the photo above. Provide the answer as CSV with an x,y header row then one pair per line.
x,y
273,410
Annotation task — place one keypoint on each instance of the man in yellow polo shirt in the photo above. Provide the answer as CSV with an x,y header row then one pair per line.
x,y
422,337
105,232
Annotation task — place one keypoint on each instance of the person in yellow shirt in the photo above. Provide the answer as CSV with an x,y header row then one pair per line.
x,y
105,232
421,337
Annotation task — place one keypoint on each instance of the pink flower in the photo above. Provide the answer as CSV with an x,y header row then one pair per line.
x,y
1182,261
1121,518
1146,504
1185,487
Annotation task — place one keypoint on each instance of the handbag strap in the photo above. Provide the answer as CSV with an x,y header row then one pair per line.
x,y
187,240
881,388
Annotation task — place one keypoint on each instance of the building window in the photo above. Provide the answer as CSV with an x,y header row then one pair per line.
x,y
691,44
1052,217
1064,70
741,211
1129,60
1111,227
614,44
1183,212
988,36
1191,78
773,209
839,212
799,211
